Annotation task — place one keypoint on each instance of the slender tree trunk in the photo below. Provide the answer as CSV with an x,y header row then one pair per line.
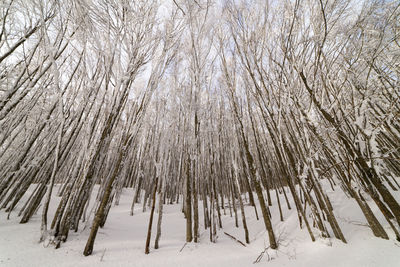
x,y
188,204
147,247
160,213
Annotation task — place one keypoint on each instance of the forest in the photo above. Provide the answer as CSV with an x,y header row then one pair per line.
x,y
227,110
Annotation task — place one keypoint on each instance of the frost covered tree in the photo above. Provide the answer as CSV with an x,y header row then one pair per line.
x,y
212,105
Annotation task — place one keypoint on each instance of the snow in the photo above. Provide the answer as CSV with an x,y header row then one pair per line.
x,y
121,241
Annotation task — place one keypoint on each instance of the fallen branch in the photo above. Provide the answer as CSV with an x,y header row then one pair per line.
x,y
235,239
354,222
183,247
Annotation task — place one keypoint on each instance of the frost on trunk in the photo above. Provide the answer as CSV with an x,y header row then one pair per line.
x,y
160,210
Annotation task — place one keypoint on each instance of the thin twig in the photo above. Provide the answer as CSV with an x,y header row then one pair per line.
x,y
261,255
179,7
183,247
102,255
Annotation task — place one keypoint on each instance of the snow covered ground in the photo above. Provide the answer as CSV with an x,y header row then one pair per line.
x,y
121,242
